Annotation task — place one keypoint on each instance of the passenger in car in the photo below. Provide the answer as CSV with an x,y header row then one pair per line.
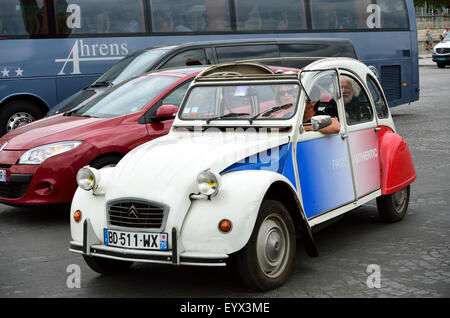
x,y
287,94
357,107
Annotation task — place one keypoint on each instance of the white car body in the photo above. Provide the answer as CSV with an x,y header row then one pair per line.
x,y
441,52
164,172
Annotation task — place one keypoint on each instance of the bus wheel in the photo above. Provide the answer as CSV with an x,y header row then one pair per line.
x,y
392,207
106,266
18,113
267,259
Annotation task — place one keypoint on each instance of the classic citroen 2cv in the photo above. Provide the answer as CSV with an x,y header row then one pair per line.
x,y
249,166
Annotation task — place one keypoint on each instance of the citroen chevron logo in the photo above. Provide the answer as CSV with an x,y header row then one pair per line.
x,y
133,212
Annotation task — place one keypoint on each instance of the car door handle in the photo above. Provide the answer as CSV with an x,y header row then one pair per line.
x,y
344,136
377,129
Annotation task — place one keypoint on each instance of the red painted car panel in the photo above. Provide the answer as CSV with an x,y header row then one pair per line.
x,y
396,163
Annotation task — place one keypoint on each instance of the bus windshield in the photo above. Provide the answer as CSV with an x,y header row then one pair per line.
x,y
128,67
126,98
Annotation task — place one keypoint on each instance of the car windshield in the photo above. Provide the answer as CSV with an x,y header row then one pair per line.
x,y
126,98
255,102
131,65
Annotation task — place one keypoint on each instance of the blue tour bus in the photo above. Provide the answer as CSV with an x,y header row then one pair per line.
x,y
50,49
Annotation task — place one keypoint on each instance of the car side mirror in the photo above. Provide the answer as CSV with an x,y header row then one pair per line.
x,y
320,121
165,112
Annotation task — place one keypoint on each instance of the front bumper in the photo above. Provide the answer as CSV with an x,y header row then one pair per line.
x,y
441,58
176,256
52,182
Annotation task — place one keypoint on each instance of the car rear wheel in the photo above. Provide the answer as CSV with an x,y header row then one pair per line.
x,y
392,207
267,259
106,266
18,113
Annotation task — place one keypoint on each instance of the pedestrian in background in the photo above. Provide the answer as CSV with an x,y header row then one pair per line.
x,y
429,40
444,34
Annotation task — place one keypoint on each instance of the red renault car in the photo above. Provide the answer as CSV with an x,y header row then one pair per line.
x,y
39,162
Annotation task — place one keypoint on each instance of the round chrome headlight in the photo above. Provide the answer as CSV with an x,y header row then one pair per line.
x,y
87,179
208,182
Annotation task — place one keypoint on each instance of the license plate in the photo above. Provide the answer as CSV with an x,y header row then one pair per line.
x,y
2,175
149,241
441,59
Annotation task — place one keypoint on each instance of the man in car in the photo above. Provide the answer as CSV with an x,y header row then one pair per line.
x,y
312,109
357,108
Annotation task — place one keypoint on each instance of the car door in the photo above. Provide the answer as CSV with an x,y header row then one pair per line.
x,y
323,161
362,136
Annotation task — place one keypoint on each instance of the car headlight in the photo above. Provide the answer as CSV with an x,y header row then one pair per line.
x,y
38,155
208,183
88,178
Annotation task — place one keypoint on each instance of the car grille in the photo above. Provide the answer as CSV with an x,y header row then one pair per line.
x,y
443,50
137,214
13,190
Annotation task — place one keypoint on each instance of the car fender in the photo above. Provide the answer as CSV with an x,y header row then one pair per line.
x,y
396,163
92,207
237,201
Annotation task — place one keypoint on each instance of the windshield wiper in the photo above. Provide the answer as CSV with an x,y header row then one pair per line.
x,y
102,84
229,115
270,111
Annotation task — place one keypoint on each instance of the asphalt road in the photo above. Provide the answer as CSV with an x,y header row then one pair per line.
x,y
412,257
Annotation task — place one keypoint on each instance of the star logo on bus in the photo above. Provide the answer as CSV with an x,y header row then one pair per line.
x,y
5,72
133,212
19,72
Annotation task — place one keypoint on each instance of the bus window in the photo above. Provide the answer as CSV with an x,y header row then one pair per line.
x,y
268,15
358,14
26,17
393,14
244,52
190,16
99,17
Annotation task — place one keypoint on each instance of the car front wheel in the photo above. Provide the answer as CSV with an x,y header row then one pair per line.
x,y
392,207
267,259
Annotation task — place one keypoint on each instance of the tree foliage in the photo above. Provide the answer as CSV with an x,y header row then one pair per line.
x,y
432,3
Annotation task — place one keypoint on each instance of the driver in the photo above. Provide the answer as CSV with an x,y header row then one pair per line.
x,y
311,109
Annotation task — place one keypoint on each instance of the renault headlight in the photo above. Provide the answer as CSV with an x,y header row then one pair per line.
x,y
38,155
208,183
88,178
